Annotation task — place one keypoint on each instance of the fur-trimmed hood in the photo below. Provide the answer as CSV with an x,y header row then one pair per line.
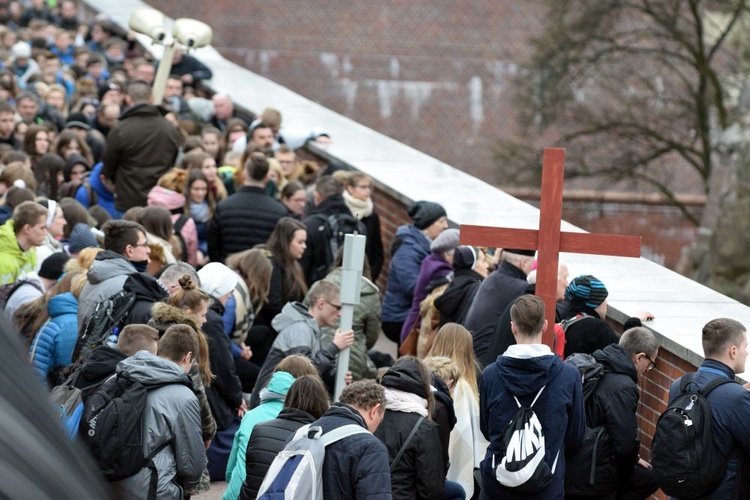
x,y
164,315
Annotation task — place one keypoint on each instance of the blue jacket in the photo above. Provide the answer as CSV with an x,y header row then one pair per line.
x,y
522,372
104,198
403,272
730,409
54,344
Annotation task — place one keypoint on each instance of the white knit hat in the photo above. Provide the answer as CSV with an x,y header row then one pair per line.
x,y
217,279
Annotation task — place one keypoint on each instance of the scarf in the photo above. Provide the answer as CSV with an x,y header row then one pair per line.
x,y
360,209
405,402
199,211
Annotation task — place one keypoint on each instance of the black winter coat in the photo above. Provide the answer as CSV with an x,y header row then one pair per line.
x,y
245,219
357,466
456,300
444,416
148,290
374,245
591,333
97,368
313,261
140,148
266,441
225,392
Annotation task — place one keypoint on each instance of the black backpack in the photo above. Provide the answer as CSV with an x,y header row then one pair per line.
x,y
522,464
107,320
335,227
686,461
591,469
112,428
7,290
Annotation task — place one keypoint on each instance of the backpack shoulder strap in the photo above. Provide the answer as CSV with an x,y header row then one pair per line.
x,y
180,223
342,432
714,384
566,323
409,438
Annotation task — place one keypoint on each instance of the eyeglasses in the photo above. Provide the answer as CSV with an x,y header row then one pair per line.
x,y
144,244
335,306
651,363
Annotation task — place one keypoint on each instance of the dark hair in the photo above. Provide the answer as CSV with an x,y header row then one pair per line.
x,y
255,268
193,176
296,365
721,333
17,195
177,342
65,138
290,188
527,313
294,285
74,213
308,394
256,167
136,337
139,91
27,213
364,394
118,234
47,168
327,186
193,141
100,214
157,221
29,141
188,296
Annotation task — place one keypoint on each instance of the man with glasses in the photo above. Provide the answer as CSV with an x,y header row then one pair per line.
x,y
613,406
299,332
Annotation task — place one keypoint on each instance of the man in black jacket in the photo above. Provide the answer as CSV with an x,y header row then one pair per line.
x,y
613,405
140,148
246,218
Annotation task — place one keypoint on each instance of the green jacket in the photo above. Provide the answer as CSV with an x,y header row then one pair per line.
x,y
13,261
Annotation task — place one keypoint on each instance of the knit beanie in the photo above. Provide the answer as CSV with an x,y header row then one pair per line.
x,y
425,213
217,279
586,290
445,241
53,266
465,257
81,237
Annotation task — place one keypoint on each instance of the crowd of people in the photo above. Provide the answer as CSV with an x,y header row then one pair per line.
x,y
209,255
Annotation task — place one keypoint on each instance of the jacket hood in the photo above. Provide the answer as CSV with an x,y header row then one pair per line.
x,y
615,359
524,369
72,161
411,232
145,287
8,243
367,287
165,198
152,370
65,303
108,264
443,394
454,296
334,204
101,363
142,109
278,387
405,377
164,315
97,186
293,312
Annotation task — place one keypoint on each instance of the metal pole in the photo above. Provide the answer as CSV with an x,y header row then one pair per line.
x,y
162,73
351,285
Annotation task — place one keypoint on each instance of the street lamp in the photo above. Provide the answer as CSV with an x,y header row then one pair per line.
x,y
189,32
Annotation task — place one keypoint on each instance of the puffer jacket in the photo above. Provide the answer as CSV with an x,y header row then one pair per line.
x,y
266,441
175,203
420,473
299,333
271,404
366,326
171,416
13,261
403,272
106,277
357,466
162,317
54,343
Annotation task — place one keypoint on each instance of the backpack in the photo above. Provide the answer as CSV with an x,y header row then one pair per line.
x,y
686,461
69,400
297,471
105,323
178,225
334,228
522,466
112,428
590,470
558,343
7,290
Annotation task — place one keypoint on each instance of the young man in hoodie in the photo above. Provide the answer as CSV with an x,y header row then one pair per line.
x,y
299,333
19,238
529,370
125,252
171,417
613,405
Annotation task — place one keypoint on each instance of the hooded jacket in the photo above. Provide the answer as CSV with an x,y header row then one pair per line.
x,y
106,277
54,343
140,148
104,197
591,333
271,404
148,290
366,325
433,266
299,333
171,416
455,301
243,220
406,261
162,317
420,473
521,372
98,367
13,261
357,466
314,260
267,440
25,293
175,203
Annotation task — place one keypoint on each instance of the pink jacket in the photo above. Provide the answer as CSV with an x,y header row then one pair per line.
x,y
175,203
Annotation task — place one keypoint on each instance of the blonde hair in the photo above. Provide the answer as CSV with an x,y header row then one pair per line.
x,y
444,367
455,342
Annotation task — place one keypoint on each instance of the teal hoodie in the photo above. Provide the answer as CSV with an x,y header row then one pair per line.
x,y
271,404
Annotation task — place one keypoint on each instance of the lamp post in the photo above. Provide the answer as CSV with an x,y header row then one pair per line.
x,y
188,32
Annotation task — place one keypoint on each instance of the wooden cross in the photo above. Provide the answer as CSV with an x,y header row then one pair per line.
x,y
549,240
